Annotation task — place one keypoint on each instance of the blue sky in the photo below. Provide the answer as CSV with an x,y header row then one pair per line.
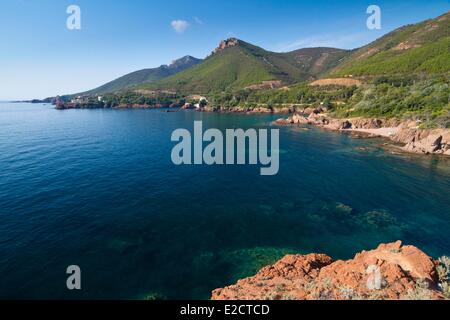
x,y
40,57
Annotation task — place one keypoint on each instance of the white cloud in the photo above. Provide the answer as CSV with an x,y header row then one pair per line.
x,y
198,21
179,25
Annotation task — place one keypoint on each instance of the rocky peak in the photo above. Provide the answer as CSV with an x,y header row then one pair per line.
x,y
230,42
184,62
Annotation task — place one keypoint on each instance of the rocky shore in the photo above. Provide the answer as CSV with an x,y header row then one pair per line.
x,y
68,105
392,271
246,110
408,133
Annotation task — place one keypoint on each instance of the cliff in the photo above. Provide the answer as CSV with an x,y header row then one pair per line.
x,y
392,271
228,43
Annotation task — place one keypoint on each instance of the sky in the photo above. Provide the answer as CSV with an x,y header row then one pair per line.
x,y
41,57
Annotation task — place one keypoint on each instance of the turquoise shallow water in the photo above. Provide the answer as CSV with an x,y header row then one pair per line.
x,y
97,188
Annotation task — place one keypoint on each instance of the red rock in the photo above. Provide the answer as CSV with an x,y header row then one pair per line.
x,y
391,271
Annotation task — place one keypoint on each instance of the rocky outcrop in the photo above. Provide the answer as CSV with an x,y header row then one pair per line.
x,y
408,133
414,139
345,82
187,106
435,141
231,42
392,271
270,84
249,110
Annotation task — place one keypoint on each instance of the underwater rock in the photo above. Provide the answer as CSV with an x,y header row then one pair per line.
x,y
155,296
342,208
377,218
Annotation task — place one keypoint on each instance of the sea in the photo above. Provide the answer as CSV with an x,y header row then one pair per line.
x,y
98,189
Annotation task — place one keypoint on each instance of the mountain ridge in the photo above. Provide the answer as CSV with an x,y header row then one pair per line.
x,y
421,48
414,48
145,76
236,64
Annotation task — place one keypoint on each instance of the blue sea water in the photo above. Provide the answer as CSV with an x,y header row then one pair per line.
x,y
97,188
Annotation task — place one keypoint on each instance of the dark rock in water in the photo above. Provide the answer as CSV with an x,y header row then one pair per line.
x,y
346,125
187,106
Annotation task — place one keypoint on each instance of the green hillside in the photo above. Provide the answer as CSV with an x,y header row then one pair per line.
x,y
403,75
418,48
146,76
422,48
237,65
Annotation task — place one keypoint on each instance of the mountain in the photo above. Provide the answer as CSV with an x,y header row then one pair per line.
x,y
146,76
236,64
419,48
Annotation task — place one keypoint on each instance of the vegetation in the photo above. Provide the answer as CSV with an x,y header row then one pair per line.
x,y
300,94
228,70
126,99
422,50
418,48
133,98
430,58
385,97
240,66
420,292
418,98
444,275
145,76
426,100
404,74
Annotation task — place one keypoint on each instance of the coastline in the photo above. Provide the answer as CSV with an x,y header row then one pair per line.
x,y
408,133
380,132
